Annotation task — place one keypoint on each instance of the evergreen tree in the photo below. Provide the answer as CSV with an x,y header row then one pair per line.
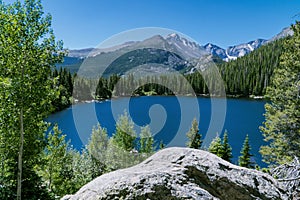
x,y
102,91
83,169
282,125
216,146
97,148
227,150
194,138
221,148
161,145
125,134
251,74
146,140
245,158
120,158
82,89
112,81
28,51
64,85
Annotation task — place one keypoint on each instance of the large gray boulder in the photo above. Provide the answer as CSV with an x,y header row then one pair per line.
x,y
182,173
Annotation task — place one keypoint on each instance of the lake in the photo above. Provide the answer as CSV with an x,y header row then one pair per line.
x,y
169,118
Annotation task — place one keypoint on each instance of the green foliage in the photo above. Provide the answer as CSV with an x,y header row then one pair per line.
x,y
227,150
102,91
282,125
28,51
120,151
251,74
63,84
216,146
97,148
122,147
194,138
146,140
118,157
82,89
161,145
65,170
54,160
221,148
245,158
81,171
125,134
56,168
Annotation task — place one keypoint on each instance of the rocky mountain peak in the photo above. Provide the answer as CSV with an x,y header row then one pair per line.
x,y
177,39
284,33
173,36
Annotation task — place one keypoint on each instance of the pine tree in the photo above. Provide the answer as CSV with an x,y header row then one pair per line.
x,y
82,90
194,138
146,140
227,150
161,145
216,146
125,134
102,91
282,125
96,148
64,86
221,148
245,158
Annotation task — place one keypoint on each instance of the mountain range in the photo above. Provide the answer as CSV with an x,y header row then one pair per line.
x,y
158,54
232,52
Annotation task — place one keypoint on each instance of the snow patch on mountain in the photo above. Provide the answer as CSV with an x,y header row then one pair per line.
x,y
234,52
250,47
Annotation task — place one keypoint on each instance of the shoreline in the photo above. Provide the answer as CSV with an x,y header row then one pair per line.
x,y
250,97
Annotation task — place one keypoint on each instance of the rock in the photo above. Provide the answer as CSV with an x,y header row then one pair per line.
x,y
182,173
67,197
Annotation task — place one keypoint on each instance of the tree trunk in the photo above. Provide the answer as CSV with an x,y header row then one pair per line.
x,y
20,159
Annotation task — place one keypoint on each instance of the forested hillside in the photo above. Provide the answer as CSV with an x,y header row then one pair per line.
x,y
251,74
246,76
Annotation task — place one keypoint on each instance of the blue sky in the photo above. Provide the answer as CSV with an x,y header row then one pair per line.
x,y
86,23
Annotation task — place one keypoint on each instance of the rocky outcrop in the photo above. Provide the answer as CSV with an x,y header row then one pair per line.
x,y
182,173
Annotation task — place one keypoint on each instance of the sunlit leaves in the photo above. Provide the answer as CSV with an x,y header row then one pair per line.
x,y
28,50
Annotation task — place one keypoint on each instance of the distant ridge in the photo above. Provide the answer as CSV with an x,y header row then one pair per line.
x,y
187,47
157,54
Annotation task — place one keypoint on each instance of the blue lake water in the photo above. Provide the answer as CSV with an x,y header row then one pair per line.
x,y
169,119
